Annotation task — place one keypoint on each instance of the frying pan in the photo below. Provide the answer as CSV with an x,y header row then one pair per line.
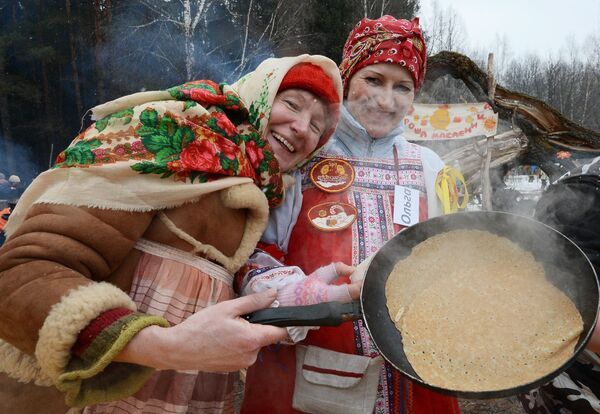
x,y
565,264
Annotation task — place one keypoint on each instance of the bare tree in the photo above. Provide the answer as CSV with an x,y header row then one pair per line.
x,y
247,29
502,56
591,84
568,81
445,30
74,68
266,30
189,17
377,8
102,14
193,12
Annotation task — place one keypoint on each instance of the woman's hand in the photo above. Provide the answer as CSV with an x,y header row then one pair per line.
x,y
317,288
343,269
354,290
212,340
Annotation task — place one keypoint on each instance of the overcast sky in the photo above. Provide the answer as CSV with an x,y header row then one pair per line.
x,y
537,26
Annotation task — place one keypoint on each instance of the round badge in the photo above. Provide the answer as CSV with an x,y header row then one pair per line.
x,y
332,175
332,216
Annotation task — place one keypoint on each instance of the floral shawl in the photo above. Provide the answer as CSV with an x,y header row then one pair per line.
x,y
160,149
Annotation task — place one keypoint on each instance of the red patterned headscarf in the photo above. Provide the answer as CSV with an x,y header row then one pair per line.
x,y
385,40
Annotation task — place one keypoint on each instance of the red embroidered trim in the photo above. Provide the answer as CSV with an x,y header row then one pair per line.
x,y
90,332
332,371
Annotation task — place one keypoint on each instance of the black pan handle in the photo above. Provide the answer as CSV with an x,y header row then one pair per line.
x,y
322,314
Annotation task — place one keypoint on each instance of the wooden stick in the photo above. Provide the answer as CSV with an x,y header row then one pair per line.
x,y
486,184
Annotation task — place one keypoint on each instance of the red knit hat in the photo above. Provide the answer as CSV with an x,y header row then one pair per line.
x,y
310,78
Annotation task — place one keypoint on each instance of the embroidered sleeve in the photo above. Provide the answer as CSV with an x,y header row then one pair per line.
x,y
263,272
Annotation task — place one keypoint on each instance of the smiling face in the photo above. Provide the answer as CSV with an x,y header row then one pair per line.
x,y
297,122
380,96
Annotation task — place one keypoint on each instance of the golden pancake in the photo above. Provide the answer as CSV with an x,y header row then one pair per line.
x,y
476,313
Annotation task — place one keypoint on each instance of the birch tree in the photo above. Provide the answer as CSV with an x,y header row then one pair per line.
x,y
102,10
189,17
74,68
193,13
590,107
444,30
268,28
401,9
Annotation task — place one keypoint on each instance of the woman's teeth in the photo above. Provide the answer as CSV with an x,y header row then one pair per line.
x,y
283,141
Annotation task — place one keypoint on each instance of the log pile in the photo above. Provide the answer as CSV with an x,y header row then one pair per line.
x,y
505,149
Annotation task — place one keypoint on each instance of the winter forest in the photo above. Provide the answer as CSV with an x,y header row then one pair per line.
x,y
58,58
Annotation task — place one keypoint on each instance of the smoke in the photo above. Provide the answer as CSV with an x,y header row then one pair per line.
x,y
138,54
145,47
17,159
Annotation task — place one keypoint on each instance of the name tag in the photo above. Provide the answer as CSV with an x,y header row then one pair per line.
x,y
406,206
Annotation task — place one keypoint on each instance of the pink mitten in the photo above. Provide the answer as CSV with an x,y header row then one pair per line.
x,y
314,288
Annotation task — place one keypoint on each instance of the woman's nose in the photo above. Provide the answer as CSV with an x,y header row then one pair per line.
x,y
385,99
300,125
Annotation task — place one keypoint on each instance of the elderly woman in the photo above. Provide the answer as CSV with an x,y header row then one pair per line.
x,y
347,214
120,259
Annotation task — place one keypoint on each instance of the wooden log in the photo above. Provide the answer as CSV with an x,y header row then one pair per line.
x,y
505,148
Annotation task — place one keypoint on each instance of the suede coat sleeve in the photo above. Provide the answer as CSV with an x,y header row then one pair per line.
x,y
57,249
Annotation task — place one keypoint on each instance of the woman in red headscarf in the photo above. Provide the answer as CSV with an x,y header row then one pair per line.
x,y
347,214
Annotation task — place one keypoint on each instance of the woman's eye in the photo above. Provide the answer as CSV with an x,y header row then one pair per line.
x,y
403,88
317,129
293,105
373,81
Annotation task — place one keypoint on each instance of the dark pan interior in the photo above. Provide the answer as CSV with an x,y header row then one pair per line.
x,y
565,264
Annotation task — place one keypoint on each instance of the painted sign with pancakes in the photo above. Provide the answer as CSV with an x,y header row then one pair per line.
x,y
332,175
332,216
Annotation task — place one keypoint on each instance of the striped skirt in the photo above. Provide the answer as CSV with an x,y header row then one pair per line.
x,y
175,284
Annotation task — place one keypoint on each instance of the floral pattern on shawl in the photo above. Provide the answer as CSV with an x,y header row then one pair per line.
x,y
260,108
207,136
